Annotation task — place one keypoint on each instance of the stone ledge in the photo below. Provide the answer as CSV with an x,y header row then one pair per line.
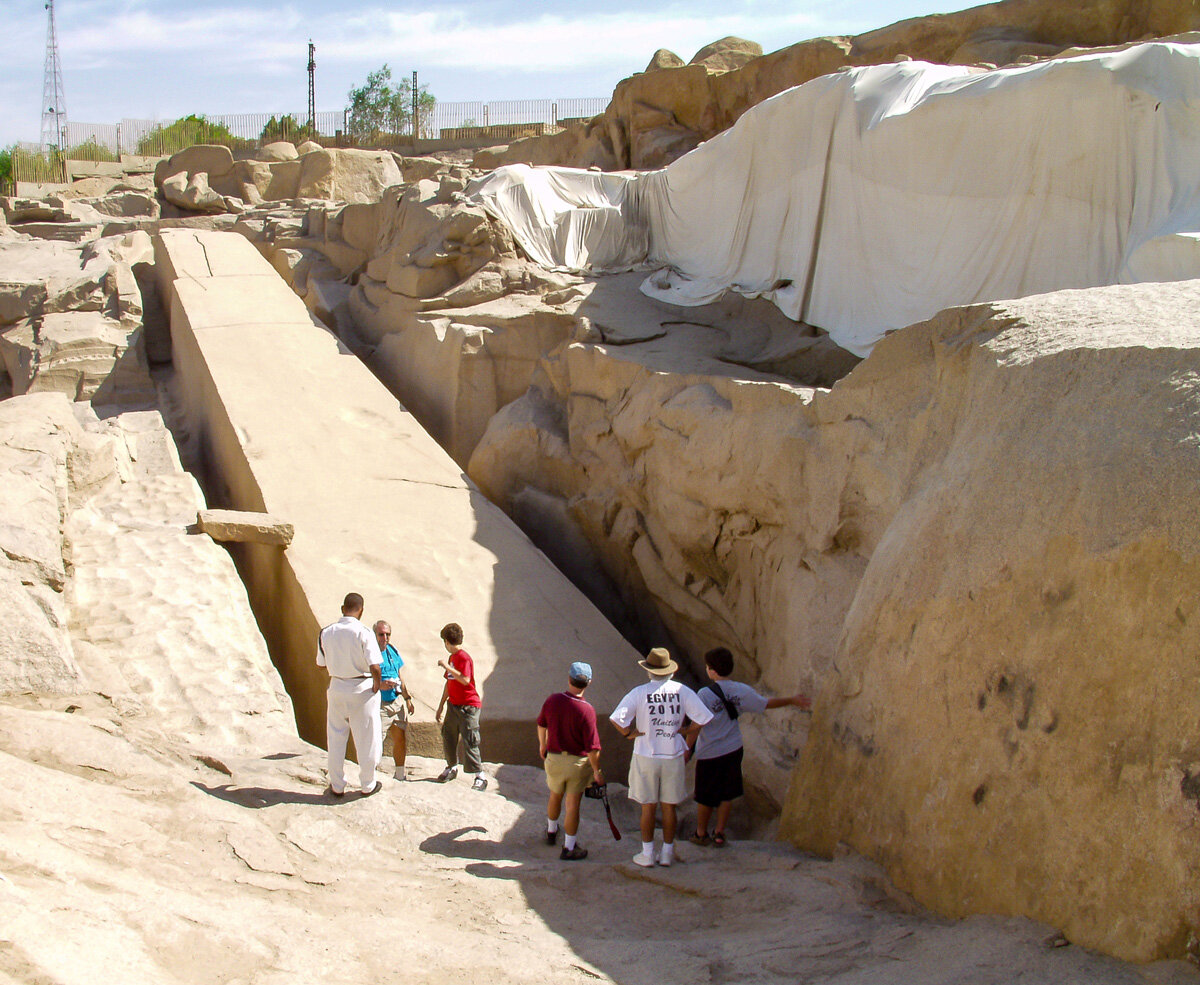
x,y
244,527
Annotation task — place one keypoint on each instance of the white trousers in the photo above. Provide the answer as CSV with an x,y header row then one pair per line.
x,y
353,708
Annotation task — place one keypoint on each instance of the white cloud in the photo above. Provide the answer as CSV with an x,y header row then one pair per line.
x,y
138,57
450,38
240,29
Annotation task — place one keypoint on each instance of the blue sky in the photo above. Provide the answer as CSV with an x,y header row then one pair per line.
x,y
165,58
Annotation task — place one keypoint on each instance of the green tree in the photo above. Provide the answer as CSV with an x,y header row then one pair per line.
x,y
379,110
6,165
287,127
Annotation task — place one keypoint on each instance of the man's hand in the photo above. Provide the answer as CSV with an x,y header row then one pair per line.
x,y
438,716
411,709
802,701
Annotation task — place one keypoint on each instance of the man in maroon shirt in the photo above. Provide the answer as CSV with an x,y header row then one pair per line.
x,y
570,745
462,717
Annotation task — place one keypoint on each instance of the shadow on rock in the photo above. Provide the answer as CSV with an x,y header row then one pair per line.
x,y
257,798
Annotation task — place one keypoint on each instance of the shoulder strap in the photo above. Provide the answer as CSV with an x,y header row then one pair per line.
x,y
730,708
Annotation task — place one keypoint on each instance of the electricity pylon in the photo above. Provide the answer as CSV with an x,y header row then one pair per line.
x,y
54,102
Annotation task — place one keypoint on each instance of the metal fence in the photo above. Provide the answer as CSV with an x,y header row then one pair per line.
x,y
479,121
249,130
30,163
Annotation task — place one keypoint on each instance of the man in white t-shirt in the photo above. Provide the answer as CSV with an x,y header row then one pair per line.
x,y
653,716
718,749
347,649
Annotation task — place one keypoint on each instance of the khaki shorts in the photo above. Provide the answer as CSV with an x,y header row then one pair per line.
x,y
657,781
393,713
566,773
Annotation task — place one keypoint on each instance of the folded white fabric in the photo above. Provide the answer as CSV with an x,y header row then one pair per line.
x,y
873,198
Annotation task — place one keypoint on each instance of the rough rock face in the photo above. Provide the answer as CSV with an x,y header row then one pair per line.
x,y
70,318
727,54
660,115
347,175
39,437
664,59
977,565
213,160
1009,725
279,150
213,182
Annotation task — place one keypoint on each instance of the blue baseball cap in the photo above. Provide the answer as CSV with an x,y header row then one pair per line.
x,y
580,671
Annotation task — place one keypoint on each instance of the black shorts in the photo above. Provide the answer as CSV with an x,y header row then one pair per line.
x,y
719,779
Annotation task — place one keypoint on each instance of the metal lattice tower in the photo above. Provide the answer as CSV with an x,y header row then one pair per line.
x,y
312,90
54,102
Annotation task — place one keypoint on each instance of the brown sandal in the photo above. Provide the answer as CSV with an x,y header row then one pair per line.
x,y
718,839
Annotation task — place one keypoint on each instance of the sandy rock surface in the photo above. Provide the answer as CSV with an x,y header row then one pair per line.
x,y
242,869
161,808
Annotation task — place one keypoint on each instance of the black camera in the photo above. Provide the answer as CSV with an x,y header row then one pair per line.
x,y
595,791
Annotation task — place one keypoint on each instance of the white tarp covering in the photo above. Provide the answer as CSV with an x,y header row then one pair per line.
x,y
873,198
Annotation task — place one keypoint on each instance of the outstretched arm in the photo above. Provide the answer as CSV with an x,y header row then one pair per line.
x,y
452,673
801,701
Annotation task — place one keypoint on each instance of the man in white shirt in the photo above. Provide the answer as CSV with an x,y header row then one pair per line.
x,y
347,649
652,715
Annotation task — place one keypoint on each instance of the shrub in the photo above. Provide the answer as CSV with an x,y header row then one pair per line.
x,y
89,150
287,127
186,132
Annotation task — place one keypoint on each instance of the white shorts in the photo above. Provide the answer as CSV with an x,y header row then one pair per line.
x,y
657,781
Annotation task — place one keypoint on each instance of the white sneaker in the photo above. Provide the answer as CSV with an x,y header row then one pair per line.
x,y
479,783
666,861
644,860
400,774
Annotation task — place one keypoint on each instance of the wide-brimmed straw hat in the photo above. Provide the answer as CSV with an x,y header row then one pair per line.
x,y
658,661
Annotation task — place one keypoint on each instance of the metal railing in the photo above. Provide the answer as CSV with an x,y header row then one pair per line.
x,y
476,121
31,164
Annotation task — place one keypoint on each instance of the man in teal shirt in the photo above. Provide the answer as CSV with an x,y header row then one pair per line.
x,y
395,703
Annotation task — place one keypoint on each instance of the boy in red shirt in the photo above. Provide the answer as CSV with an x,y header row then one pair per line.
x,y
462,717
